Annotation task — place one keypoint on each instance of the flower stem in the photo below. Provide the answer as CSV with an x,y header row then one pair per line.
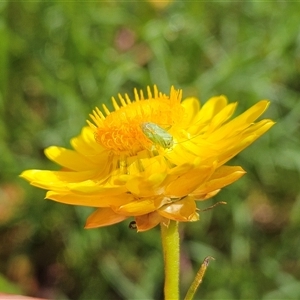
x,y
170,242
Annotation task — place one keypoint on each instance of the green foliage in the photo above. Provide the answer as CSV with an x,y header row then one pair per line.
x,y
8,287
59,60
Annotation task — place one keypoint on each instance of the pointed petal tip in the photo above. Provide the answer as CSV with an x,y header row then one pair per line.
x,y
28,175
91,226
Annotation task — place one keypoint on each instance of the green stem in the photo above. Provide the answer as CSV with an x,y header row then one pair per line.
x,y
170,242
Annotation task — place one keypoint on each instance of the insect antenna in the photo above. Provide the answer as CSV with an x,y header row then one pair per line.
x,y
213,206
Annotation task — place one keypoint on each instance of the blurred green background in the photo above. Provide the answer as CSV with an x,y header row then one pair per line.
x,y
58,60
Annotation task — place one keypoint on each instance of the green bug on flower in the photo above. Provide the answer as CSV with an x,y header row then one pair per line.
x,y
157,135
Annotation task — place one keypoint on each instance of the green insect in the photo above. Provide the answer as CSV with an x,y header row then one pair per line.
x,y
157,135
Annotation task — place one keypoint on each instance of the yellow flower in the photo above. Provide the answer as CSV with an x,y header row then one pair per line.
x,y
125,171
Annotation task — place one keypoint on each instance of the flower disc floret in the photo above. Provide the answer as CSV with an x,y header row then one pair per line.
x,y
120,131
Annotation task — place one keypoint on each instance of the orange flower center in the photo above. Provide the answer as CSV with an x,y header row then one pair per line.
x,y
120,131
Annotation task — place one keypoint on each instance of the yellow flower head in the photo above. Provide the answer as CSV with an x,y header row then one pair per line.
x,y
151,158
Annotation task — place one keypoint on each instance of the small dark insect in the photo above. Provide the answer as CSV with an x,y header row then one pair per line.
x,y
132,225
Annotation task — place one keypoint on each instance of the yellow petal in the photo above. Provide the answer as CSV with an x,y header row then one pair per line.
x,y
103,217
86,145
213,106
240,123
141,206
259,128
189,181
148,221
76,182
191,106
94,187
244,141
183,210
220,118
56,180
179,155
222,177
96,200
206,196
69,159
146,187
